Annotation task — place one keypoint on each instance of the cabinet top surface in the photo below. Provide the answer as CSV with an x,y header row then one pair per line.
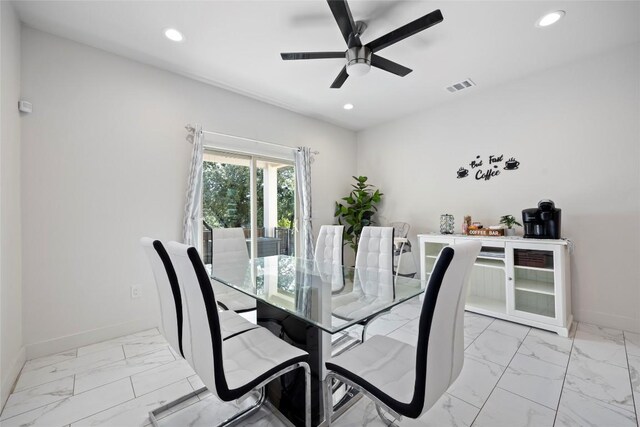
x,y
518,239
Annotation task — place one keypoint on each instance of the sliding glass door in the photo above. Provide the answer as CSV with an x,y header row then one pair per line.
x,y
251,194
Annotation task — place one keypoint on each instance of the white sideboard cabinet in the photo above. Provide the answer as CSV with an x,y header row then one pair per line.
x,y
521,280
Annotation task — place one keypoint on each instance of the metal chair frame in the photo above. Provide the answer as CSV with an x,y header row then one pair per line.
x,y
328,400
245,413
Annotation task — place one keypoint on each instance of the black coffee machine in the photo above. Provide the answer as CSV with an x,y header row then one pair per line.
x,y
542,222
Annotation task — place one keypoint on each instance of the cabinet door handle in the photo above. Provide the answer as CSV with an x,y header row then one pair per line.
x,y
510,278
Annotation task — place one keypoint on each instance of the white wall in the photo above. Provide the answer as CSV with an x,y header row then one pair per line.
x,y
105,162
576,131
11,350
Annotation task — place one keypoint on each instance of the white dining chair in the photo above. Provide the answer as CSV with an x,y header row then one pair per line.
x,y
230,251
402,379
172,310
404,264
374,260
373,281
240,364
169,295
328,255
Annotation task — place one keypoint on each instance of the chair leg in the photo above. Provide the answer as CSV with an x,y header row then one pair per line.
x,y
385,420
376,401
154,413
366,324
240,416
327,390
307,394
228,422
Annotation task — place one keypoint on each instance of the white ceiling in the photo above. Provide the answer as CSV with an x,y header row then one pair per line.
x,y
236,45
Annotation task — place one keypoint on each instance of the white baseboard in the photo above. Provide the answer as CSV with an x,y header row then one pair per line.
x,y
8,380
57,345
607,320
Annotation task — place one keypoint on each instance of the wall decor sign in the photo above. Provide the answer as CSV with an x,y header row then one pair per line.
x,y
482,171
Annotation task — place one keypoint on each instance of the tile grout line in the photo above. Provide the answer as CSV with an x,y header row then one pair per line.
x,y
633,395
555,417
119,379
478,359
111,382
525,398
34,408
48,364
69,397
130,336
501,375
134,398
74,374
132,387
38,407
607,339
13,390
106,409
608,364
474,340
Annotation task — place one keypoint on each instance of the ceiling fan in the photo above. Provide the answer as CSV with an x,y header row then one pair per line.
x,y
361,57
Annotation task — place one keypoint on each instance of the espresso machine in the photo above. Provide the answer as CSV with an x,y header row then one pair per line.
x,y
542,222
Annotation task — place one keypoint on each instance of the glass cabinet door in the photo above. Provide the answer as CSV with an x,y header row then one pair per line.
x,y
532,281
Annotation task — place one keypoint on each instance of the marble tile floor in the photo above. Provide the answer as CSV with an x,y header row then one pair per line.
x,y
513,376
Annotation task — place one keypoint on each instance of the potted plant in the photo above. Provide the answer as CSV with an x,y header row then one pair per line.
x,y
509,221
357,210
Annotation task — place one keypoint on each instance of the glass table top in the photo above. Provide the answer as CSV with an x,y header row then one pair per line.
x,y
331,297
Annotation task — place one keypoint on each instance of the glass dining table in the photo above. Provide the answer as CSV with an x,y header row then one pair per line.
x,y
307,303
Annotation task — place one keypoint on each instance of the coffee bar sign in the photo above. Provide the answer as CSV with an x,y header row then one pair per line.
x,y
483,169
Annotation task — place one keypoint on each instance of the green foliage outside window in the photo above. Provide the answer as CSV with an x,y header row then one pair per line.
x,y
226,196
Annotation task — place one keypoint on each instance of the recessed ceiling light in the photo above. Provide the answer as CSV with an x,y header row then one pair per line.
x,y
550,18
173,35
348,106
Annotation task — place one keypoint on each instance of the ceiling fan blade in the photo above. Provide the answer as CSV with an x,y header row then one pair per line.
x,y
390,66
339,81
312,55
405,31
342,14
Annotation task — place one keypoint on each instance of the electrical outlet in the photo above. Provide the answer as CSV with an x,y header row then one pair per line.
x,y
136,292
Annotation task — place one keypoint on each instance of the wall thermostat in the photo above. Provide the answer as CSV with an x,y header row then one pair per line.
x,y
25,106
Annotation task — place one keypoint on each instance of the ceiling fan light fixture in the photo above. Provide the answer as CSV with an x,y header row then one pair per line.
x,y
358,68
358,61
550,18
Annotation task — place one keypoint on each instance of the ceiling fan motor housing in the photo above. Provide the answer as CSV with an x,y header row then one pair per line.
x,y
358,60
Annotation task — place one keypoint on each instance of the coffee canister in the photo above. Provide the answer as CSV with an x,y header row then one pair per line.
x,y
446,224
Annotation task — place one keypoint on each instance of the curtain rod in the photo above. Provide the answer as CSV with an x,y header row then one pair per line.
x,y
191,130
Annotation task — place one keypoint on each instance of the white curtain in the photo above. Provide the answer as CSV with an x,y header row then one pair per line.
x,y
303,188
191,223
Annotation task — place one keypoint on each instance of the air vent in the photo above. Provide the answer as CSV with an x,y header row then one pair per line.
x,y
456,87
